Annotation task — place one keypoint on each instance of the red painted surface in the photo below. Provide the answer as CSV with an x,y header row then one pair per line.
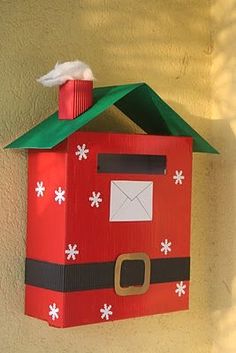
x,y
51,227
46,219
75,97
82,308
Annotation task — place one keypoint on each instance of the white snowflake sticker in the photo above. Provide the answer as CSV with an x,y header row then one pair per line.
x,y
40,189
106,311
71,252
178,177
95,199
166,246
53,311
60,195
180,288
82,152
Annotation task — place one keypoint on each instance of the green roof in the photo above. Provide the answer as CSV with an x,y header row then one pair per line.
x,y
138,101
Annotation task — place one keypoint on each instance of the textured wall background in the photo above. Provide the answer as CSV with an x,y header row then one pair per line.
x,y
223,260
170,45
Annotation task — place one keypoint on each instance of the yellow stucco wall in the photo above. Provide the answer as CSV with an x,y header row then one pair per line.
x,y
169,44
223,259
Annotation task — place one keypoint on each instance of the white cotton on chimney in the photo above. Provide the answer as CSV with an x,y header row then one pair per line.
x,y
70,70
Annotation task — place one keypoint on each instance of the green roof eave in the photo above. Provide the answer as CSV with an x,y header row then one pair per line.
x,y
138,101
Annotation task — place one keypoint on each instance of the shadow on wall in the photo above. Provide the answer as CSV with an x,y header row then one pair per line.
x,y
222,248
223,263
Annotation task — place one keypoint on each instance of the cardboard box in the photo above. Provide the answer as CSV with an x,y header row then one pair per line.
x,y
108,230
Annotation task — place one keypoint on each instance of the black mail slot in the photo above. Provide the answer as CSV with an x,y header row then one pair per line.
x,y
131,163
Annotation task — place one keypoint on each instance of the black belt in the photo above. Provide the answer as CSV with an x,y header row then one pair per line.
x,y
89,276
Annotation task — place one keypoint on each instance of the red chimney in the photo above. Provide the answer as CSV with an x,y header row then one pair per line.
x,y
75,97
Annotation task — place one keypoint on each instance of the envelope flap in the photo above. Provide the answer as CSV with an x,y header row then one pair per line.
x,y
132,188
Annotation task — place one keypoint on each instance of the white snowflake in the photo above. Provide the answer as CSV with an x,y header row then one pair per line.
x,y
95,199
180,288
53,312
40,188
71,252
178,177
166,246
106,311
82,152
59,195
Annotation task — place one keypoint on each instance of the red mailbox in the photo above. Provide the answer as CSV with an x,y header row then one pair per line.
x,y
108,232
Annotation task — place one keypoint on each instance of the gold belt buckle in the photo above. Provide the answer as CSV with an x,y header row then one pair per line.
x,y
132,290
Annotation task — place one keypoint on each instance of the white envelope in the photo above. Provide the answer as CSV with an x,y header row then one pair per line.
x,y
131,201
